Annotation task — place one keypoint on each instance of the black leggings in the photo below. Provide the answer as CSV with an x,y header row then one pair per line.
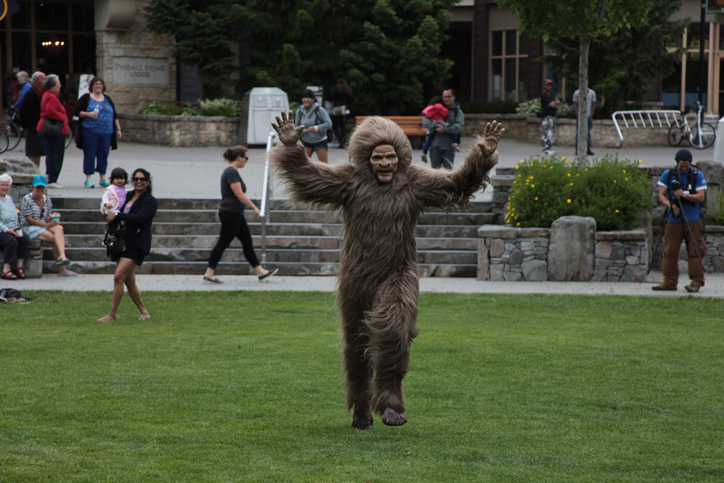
x,y
233,225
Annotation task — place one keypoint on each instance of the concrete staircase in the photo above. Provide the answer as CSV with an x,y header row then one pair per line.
x,y
299,242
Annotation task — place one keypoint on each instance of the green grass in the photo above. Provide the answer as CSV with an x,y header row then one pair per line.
x,y
247,387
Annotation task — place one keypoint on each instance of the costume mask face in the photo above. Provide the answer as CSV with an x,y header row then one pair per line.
x,y
384,162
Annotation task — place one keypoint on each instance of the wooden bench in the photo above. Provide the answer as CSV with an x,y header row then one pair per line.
x,y
411,125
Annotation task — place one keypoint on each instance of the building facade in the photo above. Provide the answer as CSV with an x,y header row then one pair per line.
x,y
496,61
107,38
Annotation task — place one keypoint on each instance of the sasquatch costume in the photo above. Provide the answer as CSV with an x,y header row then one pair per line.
x,y
381,195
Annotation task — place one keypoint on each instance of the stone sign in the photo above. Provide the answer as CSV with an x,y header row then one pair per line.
x,y
140,70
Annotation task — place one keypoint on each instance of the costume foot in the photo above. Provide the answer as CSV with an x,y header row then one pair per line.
x,y
392,418
107,318
144,316
362,421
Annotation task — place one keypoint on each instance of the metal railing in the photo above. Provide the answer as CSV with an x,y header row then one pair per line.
x,y
645,119
265,195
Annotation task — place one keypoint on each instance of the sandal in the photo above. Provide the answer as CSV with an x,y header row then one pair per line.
x,y
9,275
19,272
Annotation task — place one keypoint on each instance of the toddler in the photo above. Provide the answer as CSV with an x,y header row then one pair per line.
x,y
435,111
115,195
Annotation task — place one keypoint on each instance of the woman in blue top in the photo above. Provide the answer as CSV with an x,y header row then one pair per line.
x,y
98,131
231,215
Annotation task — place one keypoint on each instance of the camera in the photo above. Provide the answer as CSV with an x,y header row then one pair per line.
x,y
675,185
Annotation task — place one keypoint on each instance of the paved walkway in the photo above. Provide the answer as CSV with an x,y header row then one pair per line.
x,y
176,283
194,173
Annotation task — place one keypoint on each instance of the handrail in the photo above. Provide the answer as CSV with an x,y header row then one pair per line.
x,y
645,117
265,194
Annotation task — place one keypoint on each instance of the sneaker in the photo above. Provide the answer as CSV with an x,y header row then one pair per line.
x,y
548,152
424,158
661,286
692,287
54,185
104,183
89,183
456,147
590,153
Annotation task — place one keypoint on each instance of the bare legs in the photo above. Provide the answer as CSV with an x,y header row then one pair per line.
x,y
321,154
125,275
56,237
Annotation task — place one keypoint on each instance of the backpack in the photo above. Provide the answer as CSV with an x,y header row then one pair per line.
x,y
691,184
10,295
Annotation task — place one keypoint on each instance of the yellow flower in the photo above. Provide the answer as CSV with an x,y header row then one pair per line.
x,y
570,184
616,211
517,224
614,180
624,171
639,160
569,200
516,167
532,186
569,175
626,179
536,198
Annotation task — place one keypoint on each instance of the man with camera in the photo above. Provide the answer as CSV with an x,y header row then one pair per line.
x,y
682,190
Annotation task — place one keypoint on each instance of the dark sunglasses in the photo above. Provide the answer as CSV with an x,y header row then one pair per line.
x,y
137,180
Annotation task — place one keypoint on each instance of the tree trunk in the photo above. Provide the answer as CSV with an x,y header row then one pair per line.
x,y
583,103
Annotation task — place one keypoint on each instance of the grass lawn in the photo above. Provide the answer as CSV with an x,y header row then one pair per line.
x,y
247,387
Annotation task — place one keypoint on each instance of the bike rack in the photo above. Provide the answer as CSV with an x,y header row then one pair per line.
x,y
645,119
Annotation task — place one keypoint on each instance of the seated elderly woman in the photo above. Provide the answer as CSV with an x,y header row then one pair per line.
x,y
14,243
39,221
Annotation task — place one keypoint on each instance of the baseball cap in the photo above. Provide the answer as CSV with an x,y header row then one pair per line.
x,y
548,82
683,155
40,180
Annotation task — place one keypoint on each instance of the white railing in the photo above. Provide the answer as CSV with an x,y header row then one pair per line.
x,y
645,119
265,195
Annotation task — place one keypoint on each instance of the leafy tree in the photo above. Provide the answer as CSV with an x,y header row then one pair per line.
x,y
204,31
387,49
583,21
625,63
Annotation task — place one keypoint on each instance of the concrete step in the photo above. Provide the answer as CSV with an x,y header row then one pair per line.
x,y
227,268
273,255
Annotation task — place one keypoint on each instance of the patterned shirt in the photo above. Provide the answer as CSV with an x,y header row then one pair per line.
x,y
8,214
104,123
31,207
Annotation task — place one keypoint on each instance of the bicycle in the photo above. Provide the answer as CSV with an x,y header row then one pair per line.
x,y
11,128
702,136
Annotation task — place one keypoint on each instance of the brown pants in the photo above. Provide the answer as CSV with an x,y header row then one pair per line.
x,y
674,234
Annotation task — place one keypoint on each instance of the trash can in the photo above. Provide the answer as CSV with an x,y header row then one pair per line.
x,y
262,105
719,143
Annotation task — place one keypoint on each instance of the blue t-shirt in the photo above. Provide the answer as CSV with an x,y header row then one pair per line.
x,y
104,123
691,210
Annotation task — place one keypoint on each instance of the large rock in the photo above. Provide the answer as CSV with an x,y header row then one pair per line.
x,y
571,254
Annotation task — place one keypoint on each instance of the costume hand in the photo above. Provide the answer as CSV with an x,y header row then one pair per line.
x,y
493,132
288,134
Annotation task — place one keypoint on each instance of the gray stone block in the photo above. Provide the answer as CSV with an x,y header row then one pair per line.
x,y
535,271
572,249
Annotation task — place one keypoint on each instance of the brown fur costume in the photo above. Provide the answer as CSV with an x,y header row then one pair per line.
x,y
378,279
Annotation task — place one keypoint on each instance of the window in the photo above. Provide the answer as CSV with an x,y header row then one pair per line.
x,y
508,66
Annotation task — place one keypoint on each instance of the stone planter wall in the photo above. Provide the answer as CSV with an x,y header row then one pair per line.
x,y
603,133
522,254
181,131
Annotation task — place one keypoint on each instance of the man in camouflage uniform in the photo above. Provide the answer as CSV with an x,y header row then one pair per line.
x,y
549,104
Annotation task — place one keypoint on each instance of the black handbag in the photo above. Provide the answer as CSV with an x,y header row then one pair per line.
x,y
51,127
115,239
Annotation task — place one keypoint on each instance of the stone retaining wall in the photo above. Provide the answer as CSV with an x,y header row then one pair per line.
x,y
603,132
181,131
522,254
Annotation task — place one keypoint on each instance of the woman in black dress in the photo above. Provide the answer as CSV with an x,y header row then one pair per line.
x,y
137,213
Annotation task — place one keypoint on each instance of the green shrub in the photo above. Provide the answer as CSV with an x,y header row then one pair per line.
x,y
161,109
565,111
717,216
612,191
529,108
221,107
213,107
